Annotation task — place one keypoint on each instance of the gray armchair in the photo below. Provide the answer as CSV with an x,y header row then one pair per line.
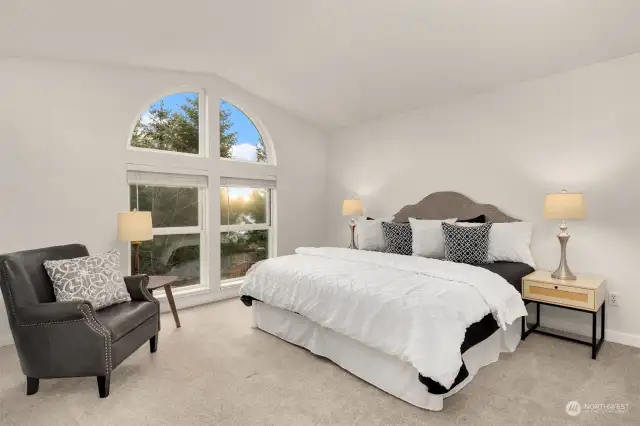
x,y
71,339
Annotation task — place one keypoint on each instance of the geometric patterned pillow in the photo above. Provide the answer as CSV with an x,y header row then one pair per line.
x,y
465,244
397,238
96,279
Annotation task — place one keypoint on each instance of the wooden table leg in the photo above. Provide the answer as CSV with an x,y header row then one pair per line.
x,y
172,304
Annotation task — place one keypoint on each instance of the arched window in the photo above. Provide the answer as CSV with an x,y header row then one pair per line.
x,y
184,230
239,136
170,124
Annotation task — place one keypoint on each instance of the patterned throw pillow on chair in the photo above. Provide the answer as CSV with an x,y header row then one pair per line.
x,y
96,279
398,238
465,244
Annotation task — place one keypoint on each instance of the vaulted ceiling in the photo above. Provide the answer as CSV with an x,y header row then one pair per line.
x,y
333,62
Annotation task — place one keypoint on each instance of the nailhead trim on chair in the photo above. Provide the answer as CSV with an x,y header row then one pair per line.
x,y
144,282
49,322
98,328
6,279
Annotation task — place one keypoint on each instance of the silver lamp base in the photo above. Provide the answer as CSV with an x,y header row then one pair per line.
x,y
563,272
352,225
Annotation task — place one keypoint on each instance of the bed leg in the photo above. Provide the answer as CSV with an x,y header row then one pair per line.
x,y
254,314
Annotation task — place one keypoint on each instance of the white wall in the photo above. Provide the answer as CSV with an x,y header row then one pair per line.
x,y
579,130
64,128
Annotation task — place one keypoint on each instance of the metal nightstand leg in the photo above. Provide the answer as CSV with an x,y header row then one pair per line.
x,y
525,333
595,347
595,344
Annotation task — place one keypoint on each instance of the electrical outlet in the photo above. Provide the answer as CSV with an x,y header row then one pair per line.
x,y
613,298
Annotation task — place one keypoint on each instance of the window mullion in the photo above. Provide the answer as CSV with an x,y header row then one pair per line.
x,y
200,209
268,207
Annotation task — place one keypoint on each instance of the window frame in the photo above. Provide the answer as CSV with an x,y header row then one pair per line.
x,y
203,131
201,229
268,226
207,162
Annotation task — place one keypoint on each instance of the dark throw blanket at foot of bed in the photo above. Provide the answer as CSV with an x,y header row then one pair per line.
x,y
512,272
475,334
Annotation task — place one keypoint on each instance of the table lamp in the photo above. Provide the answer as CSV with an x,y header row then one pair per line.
x,y
135,227
564,206
352,208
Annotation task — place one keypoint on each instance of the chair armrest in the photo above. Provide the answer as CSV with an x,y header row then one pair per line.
x,y
137,288
54,312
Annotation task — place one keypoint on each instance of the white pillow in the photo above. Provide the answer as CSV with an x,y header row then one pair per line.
x,y
369,233
510,242
428,238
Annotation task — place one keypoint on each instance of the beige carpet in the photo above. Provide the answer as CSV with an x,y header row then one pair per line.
x,y
216,370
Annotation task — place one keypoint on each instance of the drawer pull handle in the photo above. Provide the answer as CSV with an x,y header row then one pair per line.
x,y
556,287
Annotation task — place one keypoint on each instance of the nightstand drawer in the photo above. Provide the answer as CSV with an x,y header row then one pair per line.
x,y
559,294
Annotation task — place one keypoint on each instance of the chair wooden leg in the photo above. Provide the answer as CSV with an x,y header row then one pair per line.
x,y
103,385
32,385
154,344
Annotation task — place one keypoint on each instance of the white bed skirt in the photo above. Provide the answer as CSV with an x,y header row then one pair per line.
x,y
386,372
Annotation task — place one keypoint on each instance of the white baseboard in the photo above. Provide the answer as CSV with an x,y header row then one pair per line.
x,y
6,340
622,338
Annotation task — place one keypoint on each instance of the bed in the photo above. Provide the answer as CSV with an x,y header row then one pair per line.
x,y
419,329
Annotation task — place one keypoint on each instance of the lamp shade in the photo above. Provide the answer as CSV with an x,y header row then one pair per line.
x,y
564,206
352,208
135,226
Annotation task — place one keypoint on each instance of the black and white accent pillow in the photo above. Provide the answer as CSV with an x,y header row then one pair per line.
x,y
466,244
397,238
96,279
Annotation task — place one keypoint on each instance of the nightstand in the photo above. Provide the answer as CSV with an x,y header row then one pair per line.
x,y
585,294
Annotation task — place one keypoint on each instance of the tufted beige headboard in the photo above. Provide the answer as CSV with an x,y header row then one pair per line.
x,y
447,204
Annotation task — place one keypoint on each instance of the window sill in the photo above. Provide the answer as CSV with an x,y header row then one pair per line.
x,y
236,282
196,297
178,292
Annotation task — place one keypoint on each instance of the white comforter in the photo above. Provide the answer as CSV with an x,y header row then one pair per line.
x,y
414,308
